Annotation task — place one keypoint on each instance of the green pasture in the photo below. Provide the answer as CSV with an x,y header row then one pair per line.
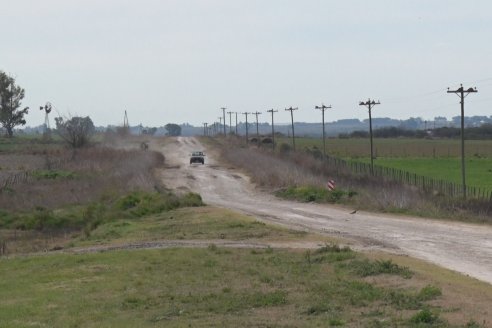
x,y
395,147
478,170
439,159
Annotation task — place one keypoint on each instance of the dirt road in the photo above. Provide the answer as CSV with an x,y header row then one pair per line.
x,y
465,248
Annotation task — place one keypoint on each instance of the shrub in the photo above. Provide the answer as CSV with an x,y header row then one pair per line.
x,y
312,194
75,131
425,316
429,292
191,199
333,248
285,148
403,300
128,201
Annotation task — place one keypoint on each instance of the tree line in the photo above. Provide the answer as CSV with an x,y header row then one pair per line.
x,y
473,133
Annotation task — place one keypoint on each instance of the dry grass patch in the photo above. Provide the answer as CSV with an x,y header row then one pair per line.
x,y
64,179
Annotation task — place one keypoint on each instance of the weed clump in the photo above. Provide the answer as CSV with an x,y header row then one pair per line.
x,y
426,317
365,268
314,194
429,292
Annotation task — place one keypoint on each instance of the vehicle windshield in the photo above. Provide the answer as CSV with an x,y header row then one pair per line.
x,y
197,153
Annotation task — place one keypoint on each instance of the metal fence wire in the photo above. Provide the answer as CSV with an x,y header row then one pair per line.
x,y
427,184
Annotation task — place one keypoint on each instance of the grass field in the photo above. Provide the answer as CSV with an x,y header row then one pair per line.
x,y
439,159
478,170
231,287
399,147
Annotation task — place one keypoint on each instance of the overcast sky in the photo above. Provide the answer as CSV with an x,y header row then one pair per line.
x,y
181,60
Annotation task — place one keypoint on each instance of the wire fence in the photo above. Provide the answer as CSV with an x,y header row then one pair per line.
x,y
12,179
424,183
8,181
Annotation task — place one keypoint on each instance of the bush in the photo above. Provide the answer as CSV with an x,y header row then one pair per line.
x,y
312,194
425,316
285,148
40,219
429,292
75,131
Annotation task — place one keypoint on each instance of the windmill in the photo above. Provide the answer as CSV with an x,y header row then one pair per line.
x,y
47,110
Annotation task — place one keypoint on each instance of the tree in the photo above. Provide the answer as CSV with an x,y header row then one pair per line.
x,y
173,129
149,131
11,96
76,131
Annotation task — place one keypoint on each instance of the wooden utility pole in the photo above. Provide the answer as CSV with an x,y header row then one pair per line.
x,y
246,113
223,116
273,130
230,122
323,108
257,131
126,125
369,104
236,123
292,118
462,93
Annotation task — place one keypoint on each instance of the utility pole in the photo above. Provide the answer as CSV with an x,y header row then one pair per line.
x,y
223,115
257,131
273,130
462,93
126,125
369,104
204,129
246,113
236,123
230,122
292,118
323,108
